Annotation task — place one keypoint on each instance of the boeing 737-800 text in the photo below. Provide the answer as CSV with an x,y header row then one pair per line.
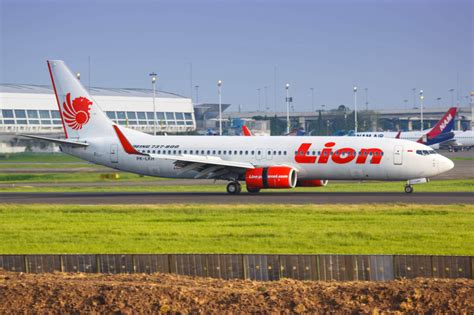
x,y
261,162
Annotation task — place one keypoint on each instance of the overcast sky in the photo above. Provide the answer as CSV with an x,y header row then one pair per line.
x,y
388,47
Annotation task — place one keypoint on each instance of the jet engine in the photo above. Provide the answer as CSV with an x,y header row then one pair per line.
x,y
312,183
270,177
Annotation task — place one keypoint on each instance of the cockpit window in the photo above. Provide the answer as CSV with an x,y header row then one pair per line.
x,y
425,152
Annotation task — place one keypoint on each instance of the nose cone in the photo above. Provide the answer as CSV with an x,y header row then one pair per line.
x,y
445,164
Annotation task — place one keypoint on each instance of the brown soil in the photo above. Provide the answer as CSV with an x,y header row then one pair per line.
x,y
139,293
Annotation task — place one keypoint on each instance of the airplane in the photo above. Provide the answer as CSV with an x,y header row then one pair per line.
x,y
441,132
461,140
261,162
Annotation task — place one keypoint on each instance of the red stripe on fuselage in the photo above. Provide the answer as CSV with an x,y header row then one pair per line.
x,y
125,144
57,99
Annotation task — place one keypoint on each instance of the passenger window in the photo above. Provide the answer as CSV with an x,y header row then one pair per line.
x,y
190,151
274,152
241,152
253,153
259,152
174,151
279,152
284,152
235,152
219,152
213,152
208,152
246,152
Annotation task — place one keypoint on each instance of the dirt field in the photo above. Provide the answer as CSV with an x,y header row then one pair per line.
x,y
55,293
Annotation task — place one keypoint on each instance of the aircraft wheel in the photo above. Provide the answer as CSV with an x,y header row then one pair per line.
x,y
253,190
408,189
234,188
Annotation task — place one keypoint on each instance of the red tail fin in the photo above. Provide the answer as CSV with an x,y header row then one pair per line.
x,y
246,131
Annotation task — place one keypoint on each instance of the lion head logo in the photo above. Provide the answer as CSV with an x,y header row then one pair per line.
x,y
76,114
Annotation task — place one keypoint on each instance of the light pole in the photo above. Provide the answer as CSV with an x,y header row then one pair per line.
x,y
366,99
78,76
422,97
355,108
259,103
153,84
414,97
287,87
405,101
439,101
197,93
266,99
312,99
452,96
219,85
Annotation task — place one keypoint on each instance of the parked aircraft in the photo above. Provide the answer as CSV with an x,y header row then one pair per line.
x,y
261,162
462,140
441,132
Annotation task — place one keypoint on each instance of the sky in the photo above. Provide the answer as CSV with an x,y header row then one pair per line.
x,y
386,47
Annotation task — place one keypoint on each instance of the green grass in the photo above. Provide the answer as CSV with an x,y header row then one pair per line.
x,y
69,177
433,186
22,166
345,229
460,158
39,158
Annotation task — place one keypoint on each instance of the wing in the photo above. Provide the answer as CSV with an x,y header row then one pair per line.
x,y
205,166
59,141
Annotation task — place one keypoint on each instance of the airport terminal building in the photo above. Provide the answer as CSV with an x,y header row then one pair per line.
x,y
32,109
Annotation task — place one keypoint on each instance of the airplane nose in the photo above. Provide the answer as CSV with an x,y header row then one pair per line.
x,y
445,164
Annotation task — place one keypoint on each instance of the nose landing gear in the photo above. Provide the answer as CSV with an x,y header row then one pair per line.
x,y
234,188
411,182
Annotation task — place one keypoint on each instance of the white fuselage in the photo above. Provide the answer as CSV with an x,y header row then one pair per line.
x,y
464,138
405,135
400,160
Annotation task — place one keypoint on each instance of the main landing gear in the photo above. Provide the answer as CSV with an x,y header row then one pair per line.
x,y
408,189
234,188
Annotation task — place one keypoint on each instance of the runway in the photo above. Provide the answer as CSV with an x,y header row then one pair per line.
x,y
88,198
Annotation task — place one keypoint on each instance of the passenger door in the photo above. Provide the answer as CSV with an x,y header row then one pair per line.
x,y
398,155
114,153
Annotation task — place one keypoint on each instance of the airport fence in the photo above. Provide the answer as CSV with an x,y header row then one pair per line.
x,y
250,266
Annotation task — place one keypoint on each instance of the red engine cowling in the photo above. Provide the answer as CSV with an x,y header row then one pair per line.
x,y
271,177
312,183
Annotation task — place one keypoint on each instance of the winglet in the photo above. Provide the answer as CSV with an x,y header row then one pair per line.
x,y
125,144
398,135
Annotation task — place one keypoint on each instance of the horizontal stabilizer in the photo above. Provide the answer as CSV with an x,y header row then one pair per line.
x,y
59,141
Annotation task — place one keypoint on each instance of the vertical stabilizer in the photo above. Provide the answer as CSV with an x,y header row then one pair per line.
x,y
80,114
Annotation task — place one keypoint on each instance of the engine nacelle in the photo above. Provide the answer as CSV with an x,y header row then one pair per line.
x,y
312,183
271,177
